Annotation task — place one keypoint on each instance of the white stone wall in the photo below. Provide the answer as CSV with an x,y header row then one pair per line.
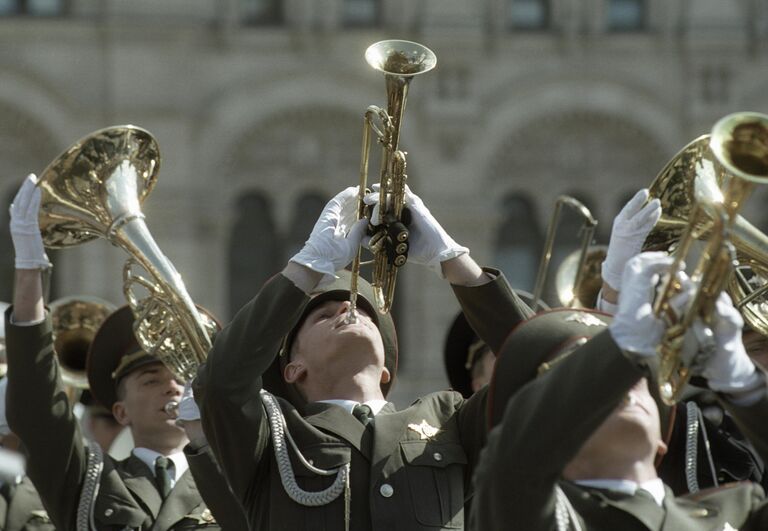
x,y
236,108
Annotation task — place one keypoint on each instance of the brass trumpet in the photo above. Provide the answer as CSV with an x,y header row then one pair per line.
x,y
399,61
701,191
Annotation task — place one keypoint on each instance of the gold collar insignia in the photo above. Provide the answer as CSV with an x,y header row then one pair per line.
x,y
585,319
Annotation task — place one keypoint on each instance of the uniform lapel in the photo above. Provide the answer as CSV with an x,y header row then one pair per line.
x,y
389,429
184,497
686,515
140,481
337,420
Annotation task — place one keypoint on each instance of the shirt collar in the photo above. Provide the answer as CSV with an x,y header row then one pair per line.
x,y
655,487
349,405
148,457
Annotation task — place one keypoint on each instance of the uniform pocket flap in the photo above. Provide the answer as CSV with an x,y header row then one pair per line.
x,y
431,453
325,456
111,510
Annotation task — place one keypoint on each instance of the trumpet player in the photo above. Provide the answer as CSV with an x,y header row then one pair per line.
x,y
702,452
82,488
592,415
354,461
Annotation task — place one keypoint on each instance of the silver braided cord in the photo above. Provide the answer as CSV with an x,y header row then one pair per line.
x,y
279,436
94,465
691,447
565,514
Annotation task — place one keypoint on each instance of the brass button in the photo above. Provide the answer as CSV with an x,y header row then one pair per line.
x,y
438,456
109,512
386,490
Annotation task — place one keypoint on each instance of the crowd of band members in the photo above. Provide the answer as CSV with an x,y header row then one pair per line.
x,y
553,421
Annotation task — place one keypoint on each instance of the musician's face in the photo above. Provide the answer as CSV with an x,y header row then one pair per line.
x,y
756,346
327,346
631,432
143,395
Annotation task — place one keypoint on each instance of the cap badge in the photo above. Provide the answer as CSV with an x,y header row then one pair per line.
x,y
585,319
424,430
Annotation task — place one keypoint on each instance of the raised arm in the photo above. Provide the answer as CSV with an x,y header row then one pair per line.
x,y
37,406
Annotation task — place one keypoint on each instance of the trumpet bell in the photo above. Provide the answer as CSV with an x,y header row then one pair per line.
x,y
78,195
400,58
698,174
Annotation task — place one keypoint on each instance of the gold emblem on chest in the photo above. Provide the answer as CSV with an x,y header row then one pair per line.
x,y
425,430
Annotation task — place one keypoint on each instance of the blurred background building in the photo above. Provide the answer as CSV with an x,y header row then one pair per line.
x,y
257,107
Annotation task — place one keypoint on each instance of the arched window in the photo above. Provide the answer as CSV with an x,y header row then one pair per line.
x,y
518,241
626,15
361,13
530,15
254,249
261,12
40,8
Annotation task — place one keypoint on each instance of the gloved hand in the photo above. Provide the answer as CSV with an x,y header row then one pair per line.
x,y
428,243
188,409
25,231
630,228
635,328
335,238
729,369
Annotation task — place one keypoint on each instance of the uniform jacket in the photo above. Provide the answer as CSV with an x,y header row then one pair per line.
x,y
545,424
21,508
400,479
40,414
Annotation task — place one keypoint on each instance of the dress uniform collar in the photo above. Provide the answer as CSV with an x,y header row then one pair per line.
x,y
654,487
148,457
348,405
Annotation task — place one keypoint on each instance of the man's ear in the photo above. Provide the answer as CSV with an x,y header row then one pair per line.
x,y
294,372
120,413
385,376
662,448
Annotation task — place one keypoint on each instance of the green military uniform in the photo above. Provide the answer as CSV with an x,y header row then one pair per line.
x,y
21,508
128,498
410,472
545,423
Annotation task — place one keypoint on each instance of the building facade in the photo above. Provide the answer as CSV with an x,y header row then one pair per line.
x,y
257,107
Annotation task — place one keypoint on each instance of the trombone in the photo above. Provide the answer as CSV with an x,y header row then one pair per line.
x,y
701,191
588,232
399,61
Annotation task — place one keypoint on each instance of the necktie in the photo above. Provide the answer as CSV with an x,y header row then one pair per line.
x,y
163,467
363,413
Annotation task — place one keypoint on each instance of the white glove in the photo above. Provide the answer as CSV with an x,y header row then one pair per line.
x,y
730,370
630,228
428,243
335,238
25,231
188,409
635,328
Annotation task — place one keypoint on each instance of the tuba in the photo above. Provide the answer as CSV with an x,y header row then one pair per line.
x,y
75,321
576,287
579,288
95,189
701,191
399,61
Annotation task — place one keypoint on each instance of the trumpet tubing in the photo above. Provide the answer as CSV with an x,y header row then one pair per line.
x,y
399,61
701,191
